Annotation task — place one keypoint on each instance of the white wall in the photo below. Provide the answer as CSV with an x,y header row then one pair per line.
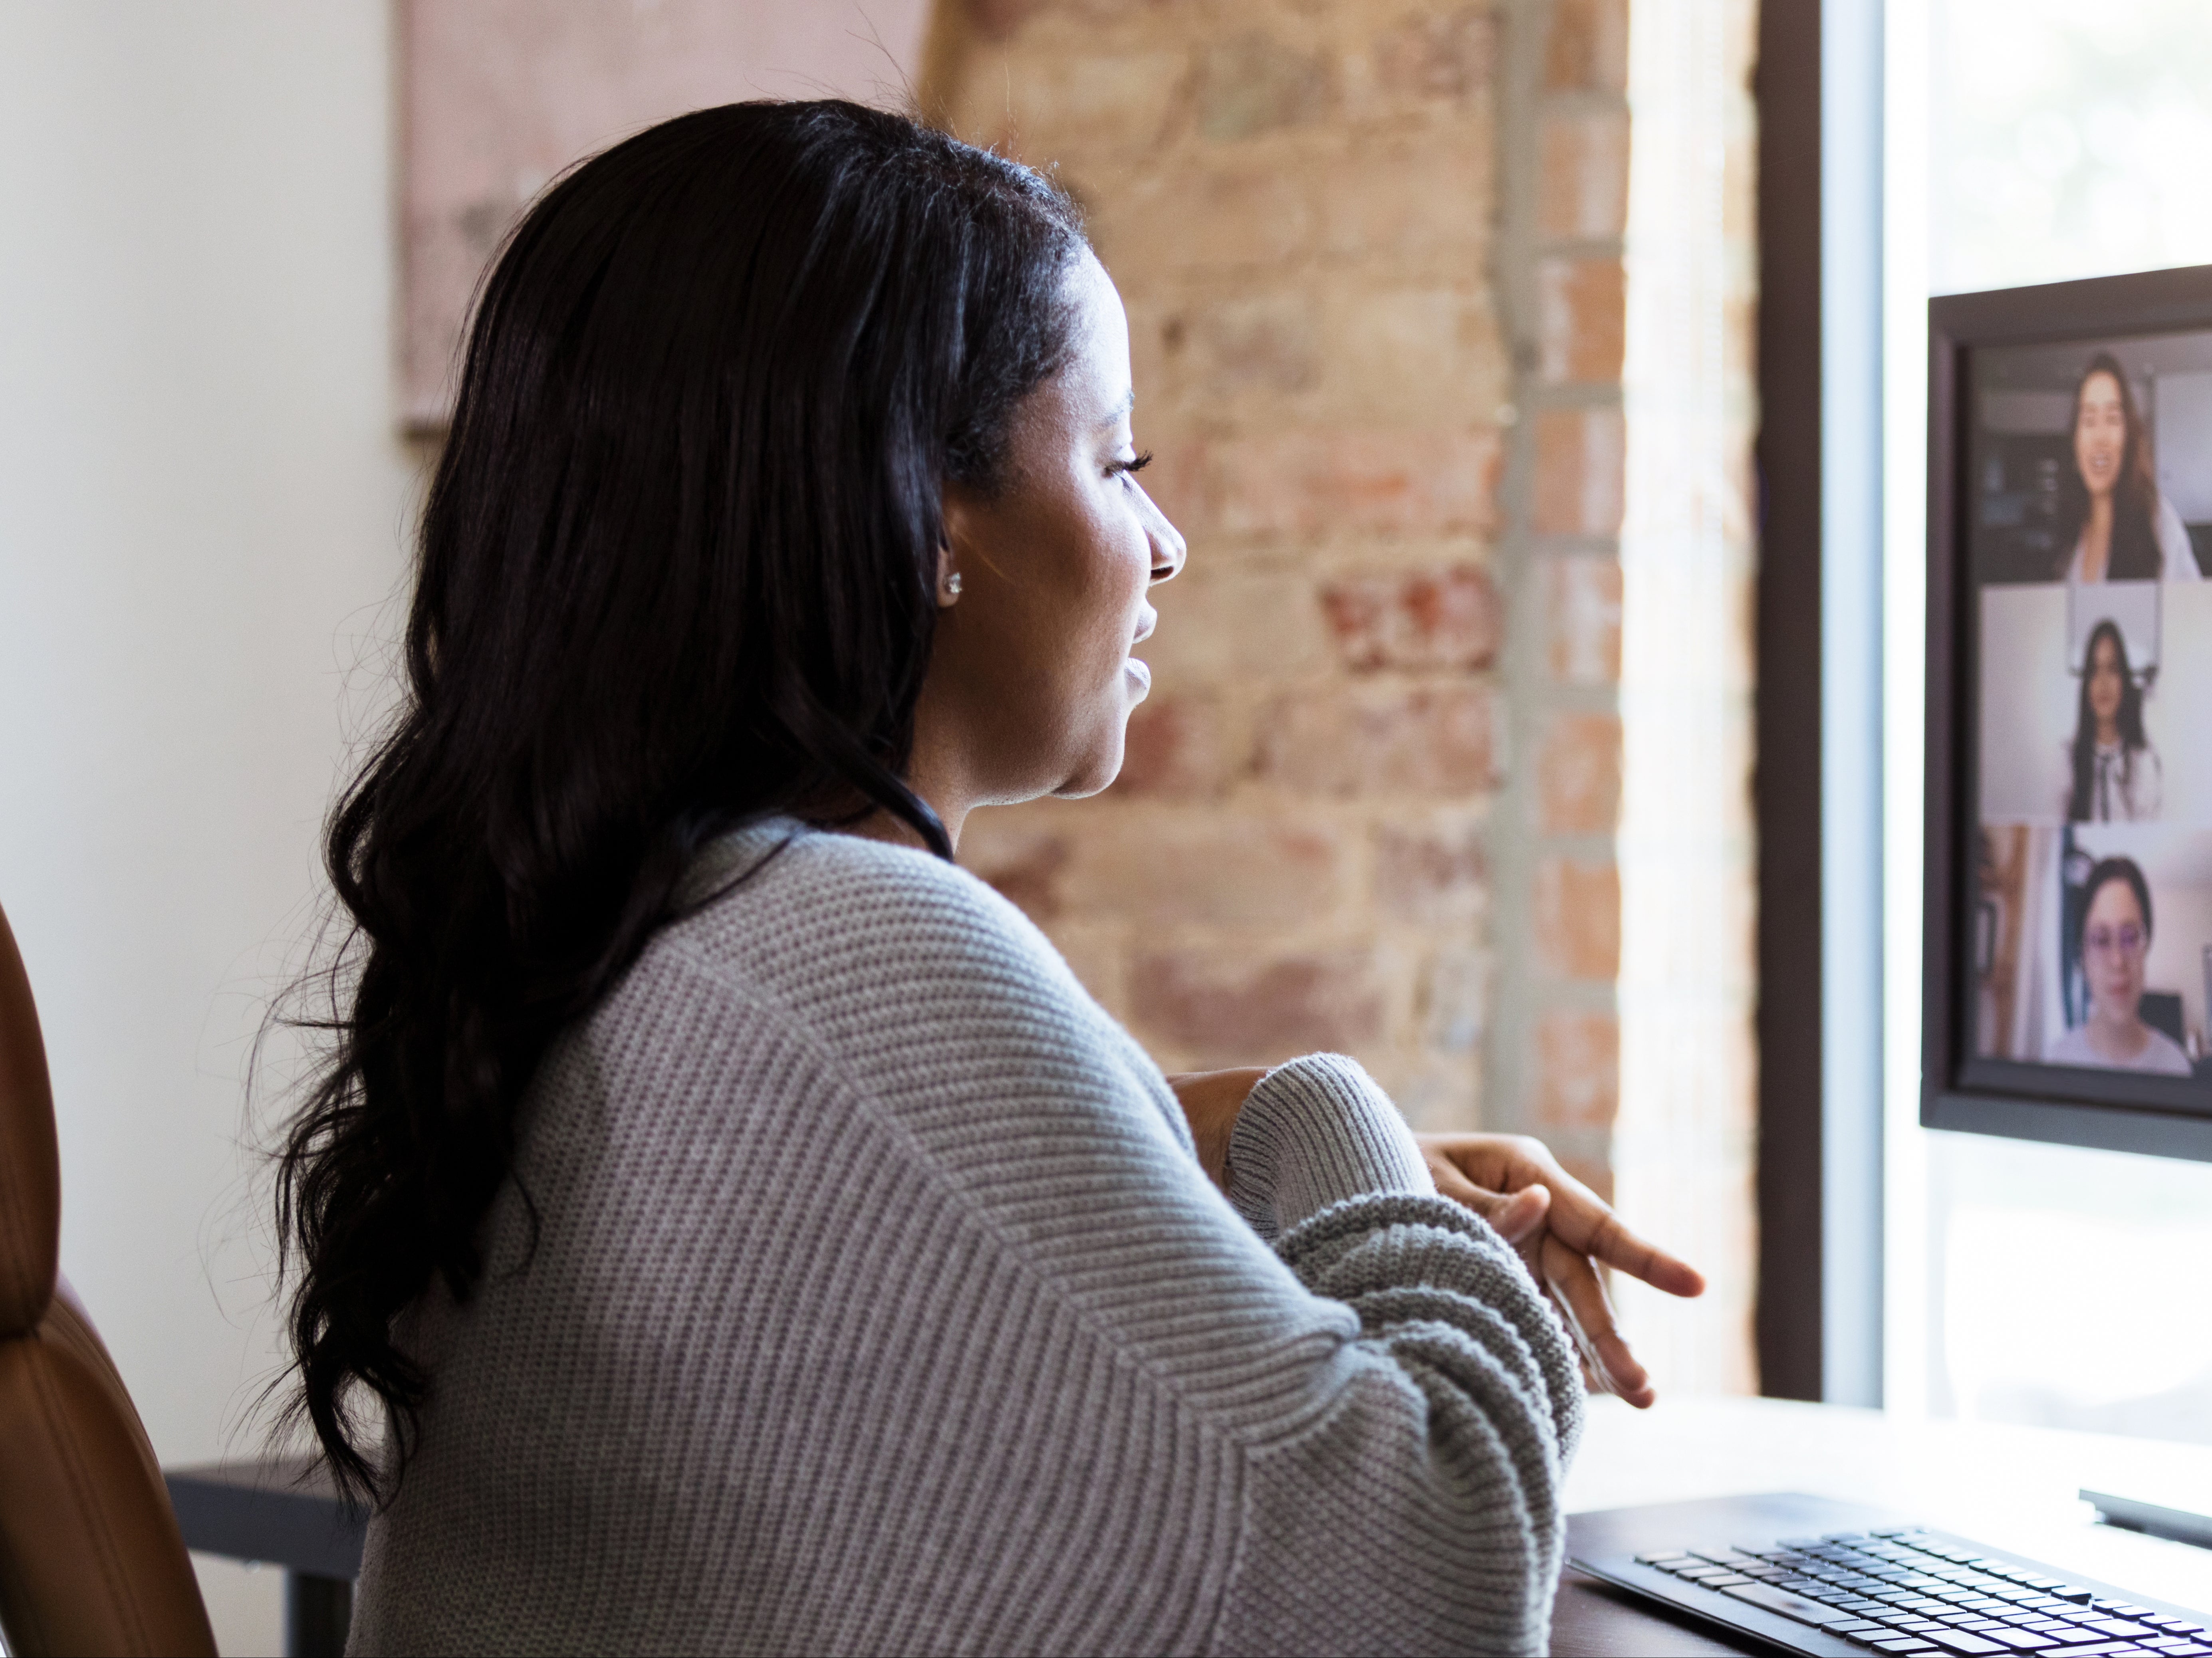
x,y
202,514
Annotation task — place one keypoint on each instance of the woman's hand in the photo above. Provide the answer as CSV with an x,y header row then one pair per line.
x,y
1211,1100
1563,1231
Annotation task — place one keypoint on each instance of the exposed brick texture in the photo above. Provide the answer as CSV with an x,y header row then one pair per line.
x,y
1583,619
1578,918
1430,874
1579,320
1301,205
1584,191
1578,775
1578,1075
1380,741
1444,618
1579,453
1586,48
1178,750
1222,1007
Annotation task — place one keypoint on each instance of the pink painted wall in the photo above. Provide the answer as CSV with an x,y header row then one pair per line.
x,y
499,95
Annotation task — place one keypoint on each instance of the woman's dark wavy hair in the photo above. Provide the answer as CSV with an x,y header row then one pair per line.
x,y
677,571
2134,552
2128,720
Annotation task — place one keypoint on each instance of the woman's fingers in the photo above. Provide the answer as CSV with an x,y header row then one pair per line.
x,y
1513,1162
1527,1219
1600,1234
1517,1216
1573,1280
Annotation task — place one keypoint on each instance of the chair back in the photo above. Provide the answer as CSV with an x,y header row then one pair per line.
x,y
91,1560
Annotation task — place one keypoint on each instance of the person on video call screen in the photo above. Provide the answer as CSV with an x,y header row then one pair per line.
x,y
2113,520
2112,771
2114,937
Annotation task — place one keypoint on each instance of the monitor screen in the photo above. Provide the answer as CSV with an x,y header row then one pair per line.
x,y
2071,846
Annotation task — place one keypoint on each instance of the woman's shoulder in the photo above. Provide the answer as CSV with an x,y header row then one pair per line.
x,y
785,872
2177,556
2163,1053
839,926
899,972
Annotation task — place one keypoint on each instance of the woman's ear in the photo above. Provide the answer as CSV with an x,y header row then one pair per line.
x,y
948,577
954,510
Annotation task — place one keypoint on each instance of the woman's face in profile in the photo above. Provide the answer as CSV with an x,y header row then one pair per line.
x,y
2100,433
2113,941
1030,680
2104,687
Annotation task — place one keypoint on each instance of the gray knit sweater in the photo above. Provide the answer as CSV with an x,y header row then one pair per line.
x,y
880,1305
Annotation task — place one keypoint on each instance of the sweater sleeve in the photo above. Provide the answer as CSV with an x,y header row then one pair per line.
x,y
1312,1131
1448,1445
1392,1402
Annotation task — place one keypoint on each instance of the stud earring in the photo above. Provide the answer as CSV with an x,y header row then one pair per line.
x,y
952,585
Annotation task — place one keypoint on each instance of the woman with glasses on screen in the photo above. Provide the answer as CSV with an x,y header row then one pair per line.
x,y
2114,937
2114,775
2116,524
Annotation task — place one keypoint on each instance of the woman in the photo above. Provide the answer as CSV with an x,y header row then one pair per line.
x,y
726,1225
2113,774
2112,514
2114,938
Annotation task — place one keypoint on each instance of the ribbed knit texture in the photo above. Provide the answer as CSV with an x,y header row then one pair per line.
x,y
880,1305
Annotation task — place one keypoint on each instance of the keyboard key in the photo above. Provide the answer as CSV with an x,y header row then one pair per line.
x,y
1956,1640
1902,1644
2020,1640
1790,1606
2118,1628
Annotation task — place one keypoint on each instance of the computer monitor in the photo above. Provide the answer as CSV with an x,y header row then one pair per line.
x,y
2069,941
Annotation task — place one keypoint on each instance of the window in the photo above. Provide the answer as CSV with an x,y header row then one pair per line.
x,y
2030,141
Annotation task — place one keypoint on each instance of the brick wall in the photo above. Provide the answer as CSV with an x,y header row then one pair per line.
x,y
1370,252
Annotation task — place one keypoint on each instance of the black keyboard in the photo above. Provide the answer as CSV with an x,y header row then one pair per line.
x,y
1880,1588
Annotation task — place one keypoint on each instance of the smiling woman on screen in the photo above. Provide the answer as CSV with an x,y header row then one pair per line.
x,y
723,1223
2113,519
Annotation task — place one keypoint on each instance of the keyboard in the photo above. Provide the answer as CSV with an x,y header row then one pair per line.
x,y
1819,1577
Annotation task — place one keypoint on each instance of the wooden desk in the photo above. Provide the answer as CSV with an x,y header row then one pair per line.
x,y
2011,1488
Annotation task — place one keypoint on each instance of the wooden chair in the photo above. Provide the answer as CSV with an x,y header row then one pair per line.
x,y
91,1560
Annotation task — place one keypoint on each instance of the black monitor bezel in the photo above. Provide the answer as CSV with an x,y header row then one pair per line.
x,y
2167,1117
